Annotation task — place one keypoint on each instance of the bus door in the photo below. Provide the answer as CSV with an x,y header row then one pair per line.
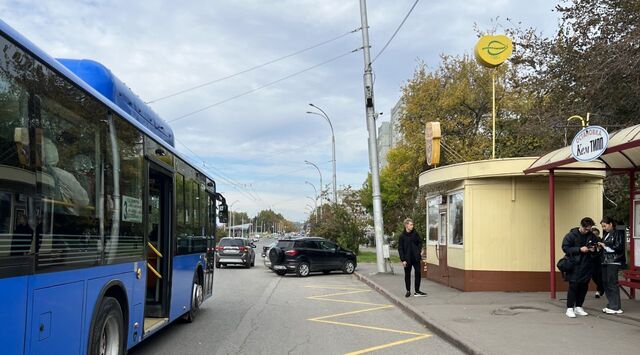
x,y
159,229
211,244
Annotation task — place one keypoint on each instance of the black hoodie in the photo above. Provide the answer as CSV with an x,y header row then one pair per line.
x,y
410,246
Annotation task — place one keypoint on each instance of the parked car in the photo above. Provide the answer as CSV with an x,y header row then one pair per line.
x,y
309,254
235,251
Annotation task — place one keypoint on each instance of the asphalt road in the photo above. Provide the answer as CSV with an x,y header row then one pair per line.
x,y
255,311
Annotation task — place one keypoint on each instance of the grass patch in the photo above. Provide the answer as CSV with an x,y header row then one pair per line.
x,y
370,257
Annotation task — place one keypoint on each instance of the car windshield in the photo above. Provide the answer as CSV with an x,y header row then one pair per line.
x,y
285,244
231,243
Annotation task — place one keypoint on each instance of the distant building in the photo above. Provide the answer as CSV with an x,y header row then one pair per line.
x,y
396,114
384,143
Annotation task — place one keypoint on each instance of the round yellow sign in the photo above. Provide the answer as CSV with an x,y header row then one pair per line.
x,y
492,51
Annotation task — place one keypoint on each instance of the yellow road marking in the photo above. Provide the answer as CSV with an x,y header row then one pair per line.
x,y
351,291
345,301
339,287
352,312
370,327
383,346
340,294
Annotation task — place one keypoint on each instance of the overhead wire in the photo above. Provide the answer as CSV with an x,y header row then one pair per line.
x,y
396,31
235,185
263,86
253,68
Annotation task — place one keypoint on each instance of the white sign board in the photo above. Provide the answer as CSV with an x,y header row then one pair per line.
x,y
131,209
589,143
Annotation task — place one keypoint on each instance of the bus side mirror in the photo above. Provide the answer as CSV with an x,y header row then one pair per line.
x,y
223,213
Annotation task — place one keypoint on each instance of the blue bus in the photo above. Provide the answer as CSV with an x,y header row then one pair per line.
x,y
107,233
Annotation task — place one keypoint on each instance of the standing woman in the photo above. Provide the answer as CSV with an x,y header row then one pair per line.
x,y
613,258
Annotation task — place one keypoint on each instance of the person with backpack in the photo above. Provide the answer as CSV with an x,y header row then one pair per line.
x,y
579,245
612,246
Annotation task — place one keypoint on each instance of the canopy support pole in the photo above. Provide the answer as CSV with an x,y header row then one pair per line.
x,y
632,195
552,235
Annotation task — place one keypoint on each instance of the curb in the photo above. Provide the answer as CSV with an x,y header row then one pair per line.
x,y
439,329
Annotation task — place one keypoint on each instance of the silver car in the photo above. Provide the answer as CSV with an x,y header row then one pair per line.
x,y
235,251
265,254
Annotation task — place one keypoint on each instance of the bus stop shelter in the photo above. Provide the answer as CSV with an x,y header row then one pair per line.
x,y
622,156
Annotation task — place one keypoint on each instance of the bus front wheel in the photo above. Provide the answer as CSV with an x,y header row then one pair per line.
x,y
107,334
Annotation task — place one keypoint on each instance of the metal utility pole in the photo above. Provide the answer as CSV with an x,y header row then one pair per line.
x,y
373,148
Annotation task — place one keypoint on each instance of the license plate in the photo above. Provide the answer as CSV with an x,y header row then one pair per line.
x,y
280,267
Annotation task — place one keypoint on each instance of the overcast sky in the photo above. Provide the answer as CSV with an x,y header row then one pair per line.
x,y
255,145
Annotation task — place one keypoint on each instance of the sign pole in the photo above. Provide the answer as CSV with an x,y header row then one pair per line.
x,y
493,77
490,52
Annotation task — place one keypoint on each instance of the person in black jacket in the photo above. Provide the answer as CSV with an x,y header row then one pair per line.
x,y
613,258
579,244
409,249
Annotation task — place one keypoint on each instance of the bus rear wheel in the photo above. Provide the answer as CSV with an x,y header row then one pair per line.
x,y
107,333
197,297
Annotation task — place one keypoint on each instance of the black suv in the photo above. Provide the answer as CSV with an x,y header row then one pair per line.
x,y
305,255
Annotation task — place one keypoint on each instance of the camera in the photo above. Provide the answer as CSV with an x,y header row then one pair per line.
x,y
592,244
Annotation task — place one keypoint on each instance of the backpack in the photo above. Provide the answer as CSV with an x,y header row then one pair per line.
x,y
565,265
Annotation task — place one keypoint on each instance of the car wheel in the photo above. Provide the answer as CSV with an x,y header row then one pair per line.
x,y
281,272
217,265
302,270
107,333
253,262
248,264
349,267
326,272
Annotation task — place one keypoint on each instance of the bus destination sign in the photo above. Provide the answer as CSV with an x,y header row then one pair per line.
x,y
589,143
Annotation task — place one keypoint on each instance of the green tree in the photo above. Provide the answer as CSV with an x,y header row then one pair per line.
x,y
342,223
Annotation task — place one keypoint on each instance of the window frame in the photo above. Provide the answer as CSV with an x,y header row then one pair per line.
x,y
451,220
438,226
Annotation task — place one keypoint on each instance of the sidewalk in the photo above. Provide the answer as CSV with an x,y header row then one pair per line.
x,y
393,252
511,322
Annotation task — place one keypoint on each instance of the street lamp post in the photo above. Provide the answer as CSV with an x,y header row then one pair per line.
x,y
333,147
316,195
315,208
231,211
319,173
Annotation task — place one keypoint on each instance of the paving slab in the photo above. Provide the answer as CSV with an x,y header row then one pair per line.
x,y
511,322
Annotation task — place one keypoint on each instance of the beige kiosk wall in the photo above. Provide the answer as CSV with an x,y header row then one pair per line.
x,y
510,231
506,221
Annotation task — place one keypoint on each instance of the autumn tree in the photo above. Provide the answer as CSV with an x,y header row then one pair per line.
x,y
589,65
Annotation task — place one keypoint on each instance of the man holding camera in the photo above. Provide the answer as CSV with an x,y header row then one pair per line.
x,y
579,245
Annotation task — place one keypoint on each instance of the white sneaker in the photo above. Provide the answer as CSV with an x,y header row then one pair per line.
x,y
580,311
570,313
609,311
619,311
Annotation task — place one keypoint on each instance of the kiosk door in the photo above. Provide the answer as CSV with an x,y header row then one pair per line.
x,y
443,268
